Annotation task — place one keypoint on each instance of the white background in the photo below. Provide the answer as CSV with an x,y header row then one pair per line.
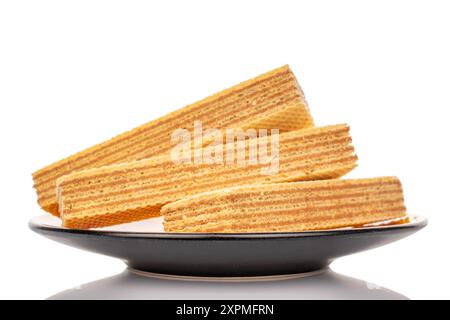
x,y
75,73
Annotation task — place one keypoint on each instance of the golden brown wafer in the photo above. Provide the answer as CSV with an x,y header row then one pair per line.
x,y
284,207
136,190
272,100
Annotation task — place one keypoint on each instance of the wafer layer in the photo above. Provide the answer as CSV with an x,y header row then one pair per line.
x,y
272,100
284,207
131,191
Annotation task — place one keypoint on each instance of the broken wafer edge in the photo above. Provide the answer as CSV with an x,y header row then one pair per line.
x,y
137,190
271,100
289,207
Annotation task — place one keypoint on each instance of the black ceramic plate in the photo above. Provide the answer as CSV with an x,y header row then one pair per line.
x,y
223,255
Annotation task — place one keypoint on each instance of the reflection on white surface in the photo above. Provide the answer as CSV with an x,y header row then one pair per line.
x,y
325,285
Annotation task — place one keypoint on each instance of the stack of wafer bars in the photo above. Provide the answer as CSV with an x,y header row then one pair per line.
x,y
133,176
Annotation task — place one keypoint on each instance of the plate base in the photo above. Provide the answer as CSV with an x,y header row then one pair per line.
x,y
227,279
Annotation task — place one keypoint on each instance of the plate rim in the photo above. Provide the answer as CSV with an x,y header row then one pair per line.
x,y
418,222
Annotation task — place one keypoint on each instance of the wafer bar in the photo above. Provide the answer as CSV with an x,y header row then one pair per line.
x,y
272,100
285,207
137,190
